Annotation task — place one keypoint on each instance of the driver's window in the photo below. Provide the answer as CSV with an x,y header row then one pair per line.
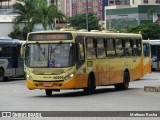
x,y
81,51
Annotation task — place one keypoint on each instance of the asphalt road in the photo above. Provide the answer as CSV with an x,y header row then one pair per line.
x,y
14,96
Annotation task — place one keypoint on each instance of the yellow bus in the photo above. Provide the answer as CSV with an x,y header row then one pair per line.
x,y
57,60
147,56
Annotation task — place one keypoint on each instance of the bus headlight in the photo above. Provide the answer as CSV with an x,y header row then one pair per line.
x,y
69,76
29,77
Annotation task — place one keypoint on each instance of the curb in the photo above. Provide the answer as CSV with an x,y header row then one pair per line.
x,y
152,88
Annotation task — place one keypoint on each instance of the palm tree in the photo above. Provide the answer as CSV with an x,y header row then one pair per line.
x,y
46,15
36,11
25,12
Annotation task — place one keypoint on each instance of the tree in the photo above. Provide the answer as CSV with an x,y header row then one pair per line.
x,y
46,15
148,31
16,33
78,21
25,12
33,12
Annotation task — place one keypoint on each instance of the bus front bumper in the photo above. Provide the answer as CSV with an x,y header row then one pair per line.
x,y
66,84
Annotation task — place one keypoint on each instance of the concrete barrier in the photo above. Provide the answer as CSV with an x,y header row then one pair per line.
x,y
152,88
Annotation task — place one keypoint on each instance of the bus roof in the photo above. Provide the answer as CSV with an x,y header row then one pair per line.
x,y
5,38
11,41
146,41
92,33
155,42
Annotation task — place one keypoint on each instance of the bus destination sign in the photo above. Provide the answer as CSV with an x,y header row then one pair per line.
x,y
49,36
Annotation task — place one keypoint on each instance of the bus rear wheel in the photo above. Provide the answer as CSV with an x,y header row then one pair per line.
x,y
91,86
48,92
125,84
2,76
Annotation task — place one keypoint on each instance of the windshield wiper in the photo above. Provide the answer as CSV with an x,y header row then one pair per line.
x,y
43,52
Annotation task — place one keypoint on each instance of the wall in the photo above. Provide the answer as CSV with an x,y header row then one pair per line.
x,y
6,28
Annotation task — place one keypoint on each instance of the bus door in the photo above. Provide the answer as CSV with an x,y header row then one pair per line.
x,y
81,68
20,62
137,59
155,57
114,56
147,59
128,61
14,60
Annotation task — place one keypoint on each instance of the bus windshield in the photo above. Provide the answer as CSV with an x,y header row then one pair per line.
x,y
57,55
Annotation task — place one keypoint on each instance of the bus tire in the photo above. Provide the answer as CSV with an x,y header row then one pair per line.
x,y
48,92
125,84
90,86
2,76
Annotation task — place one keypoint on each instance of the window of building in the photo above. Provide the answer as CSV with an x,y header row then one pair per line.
x,y
158,1
145,1
111,2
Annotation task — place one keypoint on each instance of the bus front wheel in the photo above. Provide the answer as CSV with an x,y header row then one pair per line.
x,y
48,92
125,84
91,86
1,75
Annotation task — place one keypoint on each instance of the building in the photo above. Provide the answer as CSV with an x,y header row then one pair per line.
x,y
122,16
118,2
59,3
85,6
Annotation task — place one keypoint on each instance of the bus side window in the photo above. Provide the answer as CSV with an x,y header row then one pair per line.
x,y
80,51
135,47
91,50
146,50
6,51
128,48
100,48
139,45
0,51
119,47
110,47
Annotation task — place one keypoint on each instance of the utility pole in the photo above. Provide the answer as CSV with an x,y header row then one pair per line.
x,y
110,19
87,14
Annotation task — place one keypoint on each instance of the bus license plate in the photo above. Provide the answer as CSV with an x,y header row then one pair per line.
x,y
47,84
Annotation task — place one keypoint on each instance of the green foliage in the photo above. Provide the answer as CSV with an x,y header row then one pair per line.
x,y
18,34
78,21
31,13
148,31
46,15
